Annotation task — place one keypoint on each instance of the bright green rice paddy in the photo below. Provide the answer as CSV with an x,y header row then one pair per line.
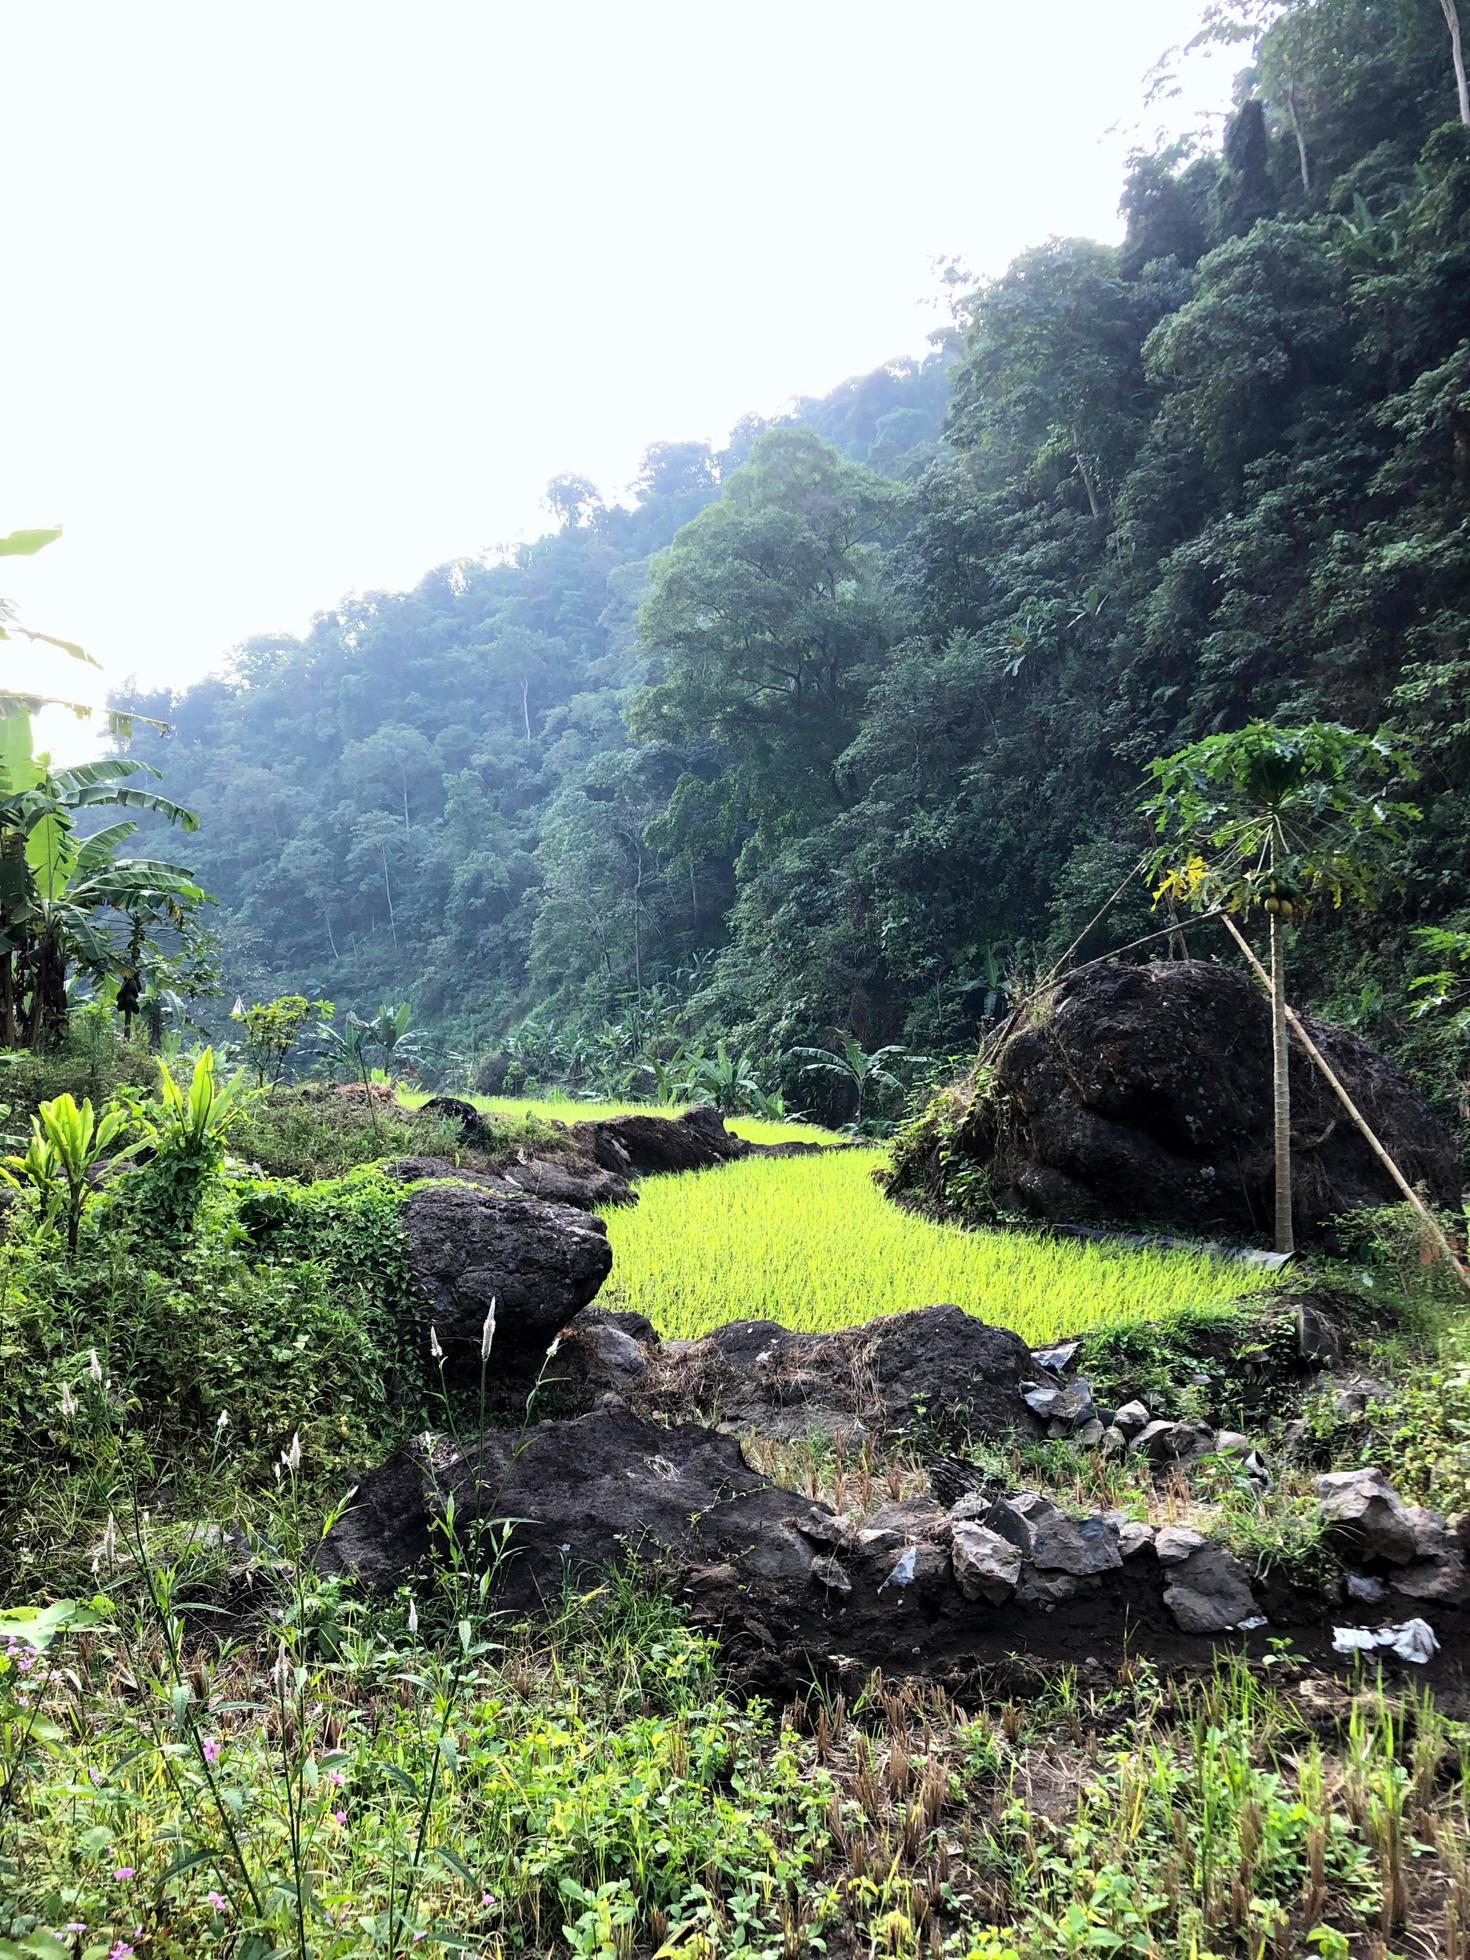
x,y
812,1242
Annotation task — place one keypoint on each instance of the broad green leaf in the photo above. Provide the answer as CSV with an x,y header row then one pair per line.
x,y
51,852
68,647
25,544
19,769
38,1626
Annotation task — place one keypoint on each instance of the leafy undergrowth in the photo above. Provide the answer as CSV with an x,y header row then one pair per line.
x,y
362,1781
812,1242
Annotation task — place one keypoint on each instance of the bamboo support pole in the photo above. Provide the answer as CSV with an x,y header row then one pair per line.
x,y
1329,1075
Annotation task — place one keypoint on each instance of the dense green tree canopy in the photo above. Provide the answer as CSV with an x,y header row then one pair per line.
x,y
819,734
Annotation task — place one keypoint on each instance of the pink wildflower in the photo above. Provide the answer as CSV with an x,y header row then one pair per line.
x,y
124,1873
211,1751
216,1900
122,1951
340,1815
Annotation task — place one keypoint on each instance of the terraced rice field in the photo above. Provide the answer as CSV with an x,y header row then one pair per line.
x,y
813,1243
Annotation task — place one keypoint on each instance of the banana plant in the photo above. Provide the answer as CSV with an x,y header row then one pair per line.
x,y
853,1065
70,1148
54,885
18,704
723,1079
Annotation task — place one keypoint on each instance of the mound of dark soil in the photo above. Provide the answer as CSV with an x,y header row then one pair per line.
x,y
1142,1095
914,1586
936,1366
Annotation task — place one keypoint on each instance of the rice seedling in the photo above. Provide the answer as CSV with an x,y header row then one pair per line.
x,y
812,1242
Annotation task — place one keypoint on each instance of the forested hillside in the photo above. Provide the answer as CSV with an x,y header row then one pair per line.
x,y
834,730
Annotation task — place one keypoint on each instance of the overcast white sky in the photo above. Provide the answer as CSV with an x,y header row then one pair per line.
x,y
308,297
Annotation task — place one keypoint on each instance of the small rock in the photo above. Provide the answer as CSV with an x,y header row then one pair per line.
x,y
1209,1592
1059,1358
1048,1590
1132,1417
1089,1434
1432,1538
829,1573
1440,1582
1230,1442
1079,1546
976,1506
986,1566
1173,1442
712,1578
1041,1398
824,1529
1354,1393
1074,1404
1011,1517
1114,1442
1134,1536
1363,1586
892,1526
1034,1504
1316,1337
1365,1516
1174,1543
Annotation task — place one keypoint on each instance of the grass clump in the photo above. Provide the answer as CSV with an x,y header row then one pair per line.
x,y
812,1242
321,1133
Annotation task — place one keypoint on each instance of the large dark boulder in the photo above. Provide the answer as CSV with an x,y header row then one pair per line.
x,y
586,1493
936,1365
1142,1095
540,1263
644,1146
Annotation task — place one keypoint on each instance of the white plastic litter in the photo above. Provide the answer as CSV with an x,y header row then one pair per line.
x,y
1411,1640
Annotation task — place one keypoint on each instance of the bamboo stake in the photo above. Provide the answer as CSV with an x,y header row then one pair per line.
x,y
1330,1077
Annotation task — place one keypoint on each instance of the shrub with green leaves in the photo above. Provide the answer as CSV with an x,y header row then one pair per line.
x,y
272,1029
70,1148
188,1144
281,1311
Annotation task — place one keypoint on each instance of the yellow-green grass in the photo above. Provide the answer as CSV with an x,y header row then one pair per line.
x,y
566,1109
812,1243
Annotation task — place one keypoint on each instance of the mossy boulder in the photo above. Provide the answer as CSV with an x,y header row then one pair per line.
x,y
1141,1095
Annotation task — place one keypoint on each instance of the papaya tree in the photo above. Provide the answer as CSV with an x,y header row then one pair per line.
x,y
1280,821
